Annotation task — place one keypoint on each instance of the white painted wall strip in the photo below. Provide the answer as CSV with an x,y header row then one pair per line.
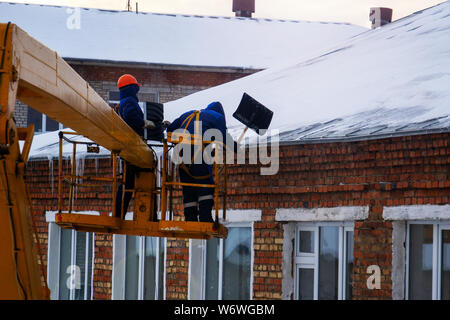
x,y
323,214
50,215
417,212
240,216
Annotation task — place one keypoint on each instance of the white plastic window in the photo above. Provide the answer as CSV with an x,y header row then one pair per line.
x,y
428,261
221,269
323,261
138,268
70,263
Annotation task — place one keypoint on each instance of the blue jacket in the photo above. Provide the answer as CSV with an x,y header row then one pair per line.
x,y
129,109
213,117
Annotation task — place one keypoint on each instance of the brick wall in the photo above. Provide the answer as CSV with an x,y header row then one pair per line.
x,y
177,269
21,114
375,173
268,249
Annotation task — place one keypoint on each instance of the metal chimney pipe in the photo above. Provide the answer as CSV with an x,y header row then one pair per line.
x,y
244,8
380,16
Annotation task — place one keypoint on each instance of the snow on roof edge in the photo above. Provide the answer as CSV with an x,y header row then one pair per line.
x,y
184,15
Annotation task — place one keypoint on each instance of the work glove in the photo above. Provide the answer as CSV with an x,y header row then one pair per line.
x,y
166,124
148,124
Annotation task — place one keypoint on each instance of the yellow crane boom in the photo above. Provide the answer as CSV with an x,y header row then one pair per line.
x,y
46,82
37,76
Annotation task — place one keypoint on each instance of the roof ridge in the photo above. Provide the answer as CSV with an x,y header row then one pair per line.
x,y
184,15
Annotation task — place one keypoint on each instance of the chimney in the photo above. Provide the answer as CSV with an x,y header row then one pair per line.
x,y
380,16
244,8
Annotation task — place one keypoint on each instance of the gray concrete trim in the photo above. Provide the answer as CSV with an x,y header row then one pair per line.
x,y
287,284
398,260
50,215
323,214
239,216
417,212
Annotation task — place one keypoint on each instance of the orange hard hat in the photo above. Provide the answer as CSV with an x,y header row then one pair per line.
x,y
126,80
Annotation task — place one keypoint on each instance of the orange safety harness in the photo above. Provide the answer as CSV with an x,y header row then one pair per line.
x,y
187,121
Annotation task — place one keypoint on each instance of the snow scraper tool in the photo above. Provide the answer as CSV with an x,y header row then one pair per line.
x,y
253,114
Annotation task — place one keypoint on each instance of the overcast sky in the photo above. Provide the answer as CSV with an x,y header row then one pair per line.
x,y
353,11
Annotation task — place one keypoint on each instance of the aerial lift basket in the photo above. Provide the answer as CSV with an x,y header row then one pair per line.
x,y
145,221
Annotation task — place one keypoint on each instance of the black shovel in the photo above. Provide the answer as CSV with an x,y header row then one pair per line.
x,y
253,114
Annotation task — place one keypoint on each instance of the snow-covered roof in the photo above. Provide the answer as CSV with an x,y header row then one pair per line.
x,y
173,39
394,80
46,146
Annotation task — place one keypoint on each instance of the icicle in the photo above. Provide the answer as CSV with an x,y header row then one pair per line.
x,y
50,169
79,171
96,166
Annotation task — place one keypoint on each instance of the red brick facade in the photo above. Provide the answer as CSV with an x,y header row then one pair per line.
x,y
376,173
162,76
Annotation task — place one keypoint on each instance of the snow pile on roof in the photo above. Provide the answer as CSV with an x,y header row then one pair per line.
x,y
174,39
46,146
390,81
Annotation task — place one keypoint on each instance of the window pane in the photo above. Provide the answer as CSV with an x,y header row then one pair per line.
x,y
51,125
132,268
212,269
196,276
236,264
420,261
150,268
81,264
114,95
89,266
445,278
65,261
305,284
161,269
35,117
349,266
328,263
306,241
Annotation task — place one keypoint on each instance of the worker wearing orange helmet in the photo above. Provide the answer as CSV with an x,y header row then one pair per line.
x,y
129,108
132,114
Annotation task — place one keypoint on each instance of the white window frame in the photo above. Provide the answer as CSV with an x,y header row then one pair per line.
x,y
44,124
118,276
220,271
53,266
311,260
438,227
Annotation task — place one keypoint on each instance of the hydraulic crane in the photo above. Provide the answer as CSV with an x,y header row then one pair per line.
x,y
38,77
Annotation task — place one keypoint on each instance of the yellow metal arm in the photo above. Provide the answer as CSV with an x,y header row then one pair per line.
x,y
37,76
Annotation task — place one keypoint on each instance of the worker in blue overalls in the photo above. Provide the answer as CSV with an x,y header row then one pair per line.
x,y
199,201
130,111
